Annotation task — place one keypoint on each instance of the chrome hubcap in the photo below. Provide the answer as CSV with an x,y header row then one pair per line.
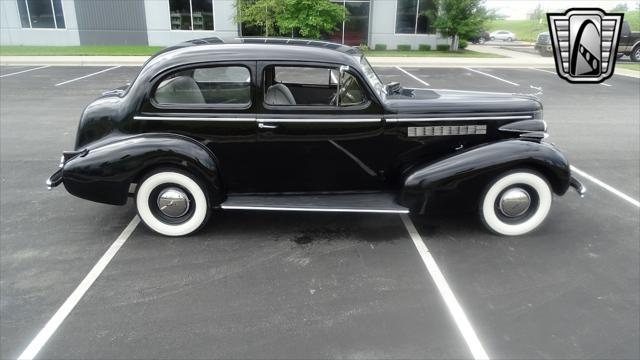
x,y
173,202
638,54
515,202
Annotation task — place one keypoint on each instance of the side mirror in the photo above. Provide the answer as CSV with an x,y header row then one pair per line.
x,y
392,88
343,69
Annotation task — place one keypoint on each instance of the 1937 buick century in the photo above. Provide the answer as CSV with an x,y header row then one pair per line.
x,y
273,124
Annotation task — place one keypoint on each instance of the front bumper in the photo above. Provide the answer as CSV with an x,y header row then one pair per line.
x,y
577,185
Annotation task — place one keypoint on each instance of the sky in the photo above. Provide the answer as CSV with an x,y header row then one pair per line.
x,y
518,9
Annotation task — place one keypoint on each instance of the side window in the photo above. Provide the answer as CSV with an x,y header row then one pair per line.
x,y
350,91
305,75
626,29
220,85
311,86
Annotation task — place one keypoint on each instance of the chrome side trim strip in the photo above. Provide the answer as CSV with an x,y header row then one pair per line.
x,y
453,118
191,118
327,120
248,119
362,165
275,208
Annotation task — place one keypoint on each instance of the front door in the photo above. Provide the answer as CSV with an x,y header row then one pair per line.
x,y
316,136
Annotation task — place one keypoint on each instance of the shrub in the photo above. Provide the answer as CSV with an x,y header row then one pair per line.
x,y
380,47
462,44
424,47
404,47
442,47
363,47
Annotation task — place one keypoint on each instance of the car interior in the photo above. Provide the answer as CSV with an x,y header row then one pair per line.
x,y
285,86
214,85
291,85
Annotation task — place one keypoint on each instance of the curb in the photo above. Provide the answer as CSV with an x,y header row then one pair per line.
x,y
430,62
74,60
376,61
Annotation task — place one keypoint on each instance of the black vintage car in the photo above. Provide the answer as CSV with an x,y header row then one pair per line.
x,y
272,124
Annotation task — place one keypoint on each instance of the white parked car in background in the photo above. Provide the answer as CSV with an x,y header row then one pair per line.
x,y
503,35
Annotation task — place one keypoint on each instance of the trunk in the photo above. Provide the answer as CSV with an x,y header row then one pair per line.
x,y
454,43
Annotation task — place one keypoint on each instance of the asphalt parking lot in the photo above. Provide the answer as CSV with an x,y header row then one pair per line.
x,y
308,285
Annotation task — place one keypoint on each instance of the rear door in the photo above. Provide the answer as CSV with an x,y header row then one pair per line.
x,y
317,141
214,104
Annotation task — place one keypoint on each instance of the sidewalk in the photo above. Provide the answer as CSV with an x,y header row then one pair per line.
x,y
74,60
374,60
499,50
523,60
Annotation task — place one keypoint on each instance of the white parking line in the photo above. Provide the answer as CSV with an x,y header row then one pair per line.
x,y
86,76
461,320
606,186
24,71
413,76
554,73
543,70
493,76
56,320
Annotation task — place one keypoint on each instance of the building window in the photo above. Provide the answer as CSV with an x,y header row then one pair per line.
x,y
354,30
41,14
191,14
411,16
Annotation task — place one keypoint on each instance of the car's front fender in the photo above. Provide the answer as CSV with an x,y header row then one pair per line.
x,y
481,163
104,172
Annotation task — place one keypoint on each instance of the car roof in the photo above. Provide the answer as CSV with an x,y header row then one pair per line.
x,y
217,49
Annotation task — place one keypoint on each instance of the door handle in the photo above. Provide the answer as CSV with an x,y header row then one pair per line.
x,y
266,126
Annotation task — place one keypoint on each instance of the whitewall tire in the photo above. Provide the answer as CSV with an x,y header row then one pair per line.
x,y
516,203
172,202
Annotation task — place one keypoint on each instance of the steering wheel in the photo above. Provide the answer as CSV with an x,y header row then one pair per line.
x,y
343,91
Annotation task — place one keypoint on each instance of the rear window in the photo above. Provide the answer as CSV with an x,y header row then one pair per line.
x,y
218,86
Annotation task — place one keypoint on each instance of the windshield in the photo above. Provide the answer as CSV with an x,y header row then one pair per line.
x,y
372,77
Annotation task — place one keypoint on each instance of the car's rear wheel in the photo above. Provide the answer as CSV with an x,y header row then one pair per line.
x,y
635,54
172,202
509,39
516,203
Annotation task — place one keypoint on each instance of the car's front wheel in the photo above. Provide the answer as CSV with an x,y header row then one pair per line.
x,y
172,202
516,203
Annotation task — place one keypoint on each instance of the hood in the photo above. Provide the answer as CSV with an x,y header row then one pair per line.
x,y
438,101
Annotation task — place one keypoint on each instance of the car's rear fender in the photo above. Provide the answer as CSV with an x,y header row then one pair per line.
x,y
481,163
105,172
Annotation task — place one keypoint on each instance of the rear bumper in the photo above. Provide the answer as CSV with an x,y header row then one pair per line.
x,y
56,178
577,185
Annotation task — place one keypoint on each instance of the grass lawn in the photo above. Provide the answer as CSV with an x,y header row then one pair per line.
x,y
525,30
528,30
635,66
78,50
416,53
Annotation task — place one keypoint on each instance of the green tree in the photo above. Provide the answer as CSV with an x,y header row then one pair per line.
x,y
538,14
461,18
620,8
262,13
307,18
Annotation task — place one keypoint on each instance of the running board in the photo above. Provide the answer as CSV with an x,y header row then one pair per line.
x,y
358,203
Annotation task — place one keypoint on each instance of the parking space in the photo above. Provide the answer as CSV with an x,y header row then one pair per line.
x,y
274,285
